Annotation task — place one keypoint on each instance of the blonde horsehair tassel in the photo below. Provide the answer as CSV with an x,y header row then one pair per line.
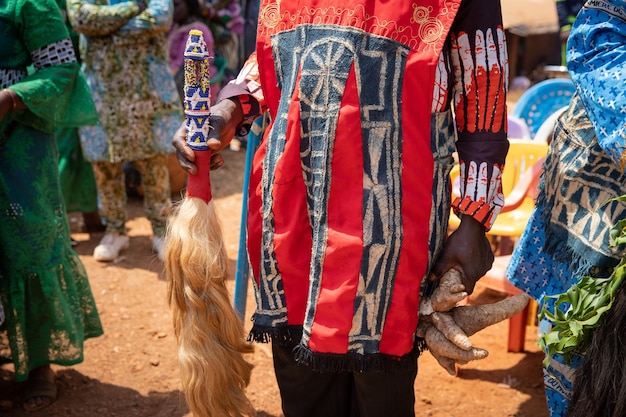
x,y
210,334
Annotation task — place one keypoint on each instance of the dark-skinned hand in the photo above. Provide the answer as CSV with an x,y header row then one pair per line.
x,y
225,117
467,250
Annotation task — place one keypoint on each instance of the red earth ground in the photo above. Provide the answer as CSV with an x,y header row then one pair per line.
x,y
132,371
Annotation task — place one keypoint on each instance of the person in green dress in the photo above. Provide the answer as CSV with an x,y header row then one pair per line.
x,y
78,184
48,303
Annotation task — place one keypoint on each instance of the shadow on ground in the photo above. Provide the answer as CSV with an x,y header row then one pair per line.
x,y
100,399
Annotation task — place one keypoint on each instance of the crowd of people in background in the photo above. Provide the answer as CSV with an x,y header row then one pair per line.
x,y
136,103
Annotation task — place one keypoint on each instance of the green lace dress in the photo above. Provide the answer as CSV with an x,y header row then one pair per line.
x,y
47,299
78,184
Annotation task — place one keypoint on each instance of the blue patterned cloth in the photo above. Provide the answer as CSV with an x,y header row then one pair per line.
x,y
596,52
534,271
567,236
537,273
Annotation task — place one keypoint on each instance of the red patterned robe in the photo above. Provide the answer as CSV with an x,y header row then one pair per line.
x,y
350,194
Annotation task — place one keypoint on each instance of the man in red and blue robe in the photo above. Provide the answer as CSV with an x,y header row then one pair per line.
x,y
350,191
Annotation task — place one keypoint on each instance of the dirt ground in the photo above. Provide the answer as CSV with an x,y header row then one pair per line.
x,y
131,371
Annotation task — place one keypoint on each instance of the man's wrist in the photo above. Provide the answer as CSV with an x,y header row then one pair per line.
x,y
471,224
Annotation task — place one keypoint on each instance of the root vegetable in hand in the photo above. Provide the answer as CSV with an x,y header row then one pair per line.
x,y
447,363
461,322
472,319
447,331
447,294
450,329
438,343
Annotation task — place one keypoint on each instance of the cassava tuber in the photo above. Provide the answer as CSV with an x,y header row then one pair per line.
x,y
446,328
439,344
447,363
447,294
450,329
472,319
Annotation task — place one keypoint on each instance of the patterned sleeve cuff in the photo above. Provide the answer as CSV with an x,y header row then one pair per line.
x,y
251,110
479,210
247,89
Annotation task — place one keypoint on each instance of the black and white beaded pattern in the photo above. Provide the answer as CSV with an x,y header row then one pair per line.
x,y
61,52
8,77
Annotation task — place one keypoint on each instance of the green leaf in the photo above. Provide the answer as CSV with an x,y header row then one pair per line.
x,y
576,328
620,198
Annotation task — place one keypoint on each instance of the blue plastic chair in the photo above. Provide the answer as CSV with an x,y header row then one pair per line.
x,y
546,130
541,100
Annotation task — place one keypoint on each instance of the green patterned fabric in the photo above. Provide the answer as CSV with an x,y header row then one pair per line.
x,y
56,94
77,181
48,303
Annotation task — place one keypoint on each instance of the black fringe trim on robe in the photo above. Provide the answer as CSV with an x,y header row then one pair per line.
x,y
283,336
334,362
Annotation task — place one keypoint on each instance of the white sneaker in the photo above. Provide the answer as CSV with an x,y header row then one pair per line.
x,y
158,246
235,145
110,247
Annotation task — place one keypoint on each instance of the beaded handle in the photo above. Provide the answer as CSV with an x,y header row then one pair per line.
x,y
197,104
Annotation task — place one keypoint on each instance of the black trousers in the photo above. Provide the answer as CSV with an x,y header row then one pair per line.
x,y
306,393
